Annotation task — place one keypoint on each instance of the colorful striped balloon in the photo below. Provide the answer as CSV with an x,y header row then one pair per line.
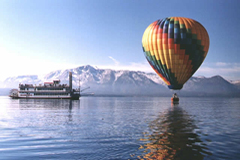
x,y
175,47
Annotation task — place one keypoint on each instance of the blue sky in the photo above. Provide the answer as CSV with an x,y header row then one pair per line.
x,y
39,36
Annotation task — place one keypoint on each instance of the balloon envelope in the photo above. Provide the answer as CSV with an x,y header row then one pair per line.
x,y
175,47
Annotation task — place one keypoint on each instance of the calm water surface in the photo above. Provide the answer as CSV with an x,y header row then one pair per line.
x,y
120,128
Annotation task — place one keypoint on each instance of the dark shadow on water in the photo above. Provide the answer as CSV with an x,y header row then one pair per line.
x,y
70,111
173,135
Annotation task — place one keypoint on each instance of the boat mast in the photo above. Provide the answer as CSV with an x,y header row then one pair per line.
x,y
79,84
70,81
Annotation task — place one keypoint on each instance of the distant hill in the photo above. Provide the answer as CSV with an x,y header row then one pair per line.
x,y
134,83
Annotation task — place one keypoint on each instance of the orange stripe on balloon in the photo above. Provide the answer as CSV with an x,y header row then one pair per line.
x,y
159,30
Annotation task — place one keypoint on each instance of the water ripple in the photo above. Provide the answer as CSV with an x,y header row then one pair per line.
x,y
113,127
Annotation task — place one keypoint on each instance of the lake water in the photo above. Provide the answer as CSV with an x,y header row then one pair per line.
x,y
120,128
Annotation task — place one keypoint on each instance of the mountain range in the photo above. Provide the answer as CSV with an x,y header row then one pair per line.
x,y
135,83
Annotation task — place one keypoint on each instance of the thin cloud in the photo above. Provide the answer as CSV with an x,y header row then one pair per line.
x,y
221,64
114,60
224,64
133,66
226,70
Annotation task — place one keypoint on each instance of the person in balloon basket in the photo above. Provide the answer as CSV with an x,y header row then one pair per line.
x,y
175,95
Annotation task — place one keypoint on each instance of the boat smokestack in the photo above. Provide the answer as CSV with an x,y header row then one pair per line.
x,y
70,81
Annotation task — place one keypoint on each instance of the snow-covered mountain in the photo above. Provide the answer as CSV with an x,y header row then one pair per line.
x,y
123,82
215,85
236,83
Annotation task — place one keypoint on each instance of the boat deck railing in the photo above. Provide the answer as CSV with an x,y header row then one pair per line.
x,y
43,86
40,91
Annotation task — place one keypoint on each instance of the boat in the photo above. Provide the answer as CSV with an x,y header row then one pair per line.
x,y
175,98
49,90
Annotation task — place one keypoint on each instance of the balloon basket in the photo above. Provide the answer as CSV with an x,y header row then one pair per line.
x,y
175,100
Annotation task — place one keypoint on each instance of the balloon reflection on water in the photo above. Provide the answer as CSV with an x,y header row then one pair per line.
x,y
173,135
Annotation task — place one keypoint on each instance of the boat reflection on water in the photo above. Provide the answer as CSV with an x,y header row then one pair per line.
x,y
48,103
173,135
60,105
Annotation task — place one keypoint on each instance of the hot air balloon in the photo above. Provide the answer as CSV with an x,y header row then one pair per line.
x,y
175,47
